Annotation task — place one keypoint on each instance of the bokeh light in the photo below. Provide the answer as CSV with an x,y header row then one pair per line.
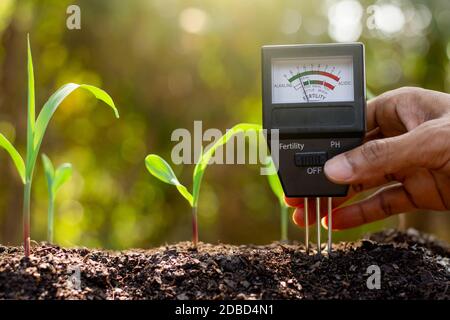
x,y
345,21
389,18
193,20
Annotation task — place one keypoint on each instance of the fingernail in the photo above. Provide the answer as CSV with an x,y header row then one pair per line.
x,y
294,218
297,217
338,168
323,221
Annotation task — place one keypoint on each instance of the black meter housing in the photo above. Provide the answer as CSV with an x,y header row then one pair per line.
x,y
315,128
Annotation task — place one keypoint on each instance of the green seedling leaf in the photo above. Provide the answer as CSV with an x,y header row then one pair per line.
x,y
62,174
159,168
15,156
35,133
30,159
277,188
55,179
207,155
55,100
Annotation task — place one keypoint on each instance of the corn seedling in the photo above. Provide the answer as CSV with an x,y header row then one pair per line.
x,y
35,133
275,185
55,179
159,168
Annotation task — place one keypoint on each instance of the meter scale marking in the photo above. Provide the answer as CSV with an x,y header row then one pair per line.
x,y
314,89
311,72
323,83
299,76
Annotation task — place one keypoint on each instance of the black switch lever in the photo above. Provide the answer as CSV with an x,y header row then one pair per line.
x,y
310,159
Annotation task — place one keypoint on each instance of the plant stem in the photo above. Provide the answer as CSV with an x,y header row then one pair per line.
x,y
402,222
50,218
194,226
284,222
26,217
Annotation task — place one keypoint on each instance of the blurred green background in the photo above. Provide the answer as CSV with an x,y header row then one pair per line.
x,y
167,63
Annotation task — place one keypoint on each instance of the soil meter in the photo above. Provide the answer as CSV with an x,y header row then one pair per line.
x,y
315,96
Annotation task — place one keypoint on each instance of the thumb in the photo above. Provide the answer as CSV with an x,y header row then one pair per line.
x,y
375,160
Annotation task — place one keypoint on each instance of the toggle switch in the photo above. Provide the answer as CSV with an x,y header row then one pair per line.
x,y
310,159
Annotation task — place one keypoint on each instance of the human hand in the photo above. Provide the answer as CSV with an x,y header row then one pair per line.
x,y
407,141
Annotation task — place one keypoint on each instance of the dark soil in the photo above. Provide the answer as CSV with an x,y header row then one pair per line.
x,y
413,266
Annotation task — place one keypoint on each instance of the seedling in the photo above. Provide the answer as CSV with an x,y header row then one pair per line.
x,y
55,179
35,133
277,189
159,168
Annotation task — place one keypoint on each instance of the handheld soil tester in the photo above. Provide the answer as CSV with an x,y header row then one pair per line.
x,y
315,96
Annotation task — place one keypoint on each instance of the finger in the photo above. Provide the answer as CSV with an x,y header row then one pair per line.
x,y
382,205
299,217
294,202
421,147
427,189
355,193
377,181
373,135
299,214
442,186
382,113
372,106
398,111
299,202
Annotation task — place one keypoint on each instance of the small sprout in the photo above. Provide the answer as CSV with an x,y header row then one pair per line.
x,y
35,134
159,168
55,179
275,185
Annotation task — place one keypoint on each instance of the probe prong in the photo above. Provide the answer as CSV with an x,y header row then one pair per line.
x,y
306,218
330,224
319,249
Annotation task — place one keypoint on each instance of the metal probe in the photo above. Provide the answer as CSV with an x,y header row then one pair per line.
x,y
319,249
330,223
306,218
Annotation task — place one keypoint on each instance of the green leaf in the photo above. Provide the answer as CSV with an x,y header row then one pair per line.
x,y
15,156
62,175
49,171
159,168
31,117
55,100
206,157
102,96
275,183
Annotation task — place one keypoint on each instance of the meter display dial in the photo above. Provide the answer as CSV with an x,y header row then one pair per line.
x,y
306,80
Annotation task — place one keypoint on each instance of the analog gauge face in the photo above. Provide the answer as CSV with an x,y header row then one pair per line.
x,y
306,80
